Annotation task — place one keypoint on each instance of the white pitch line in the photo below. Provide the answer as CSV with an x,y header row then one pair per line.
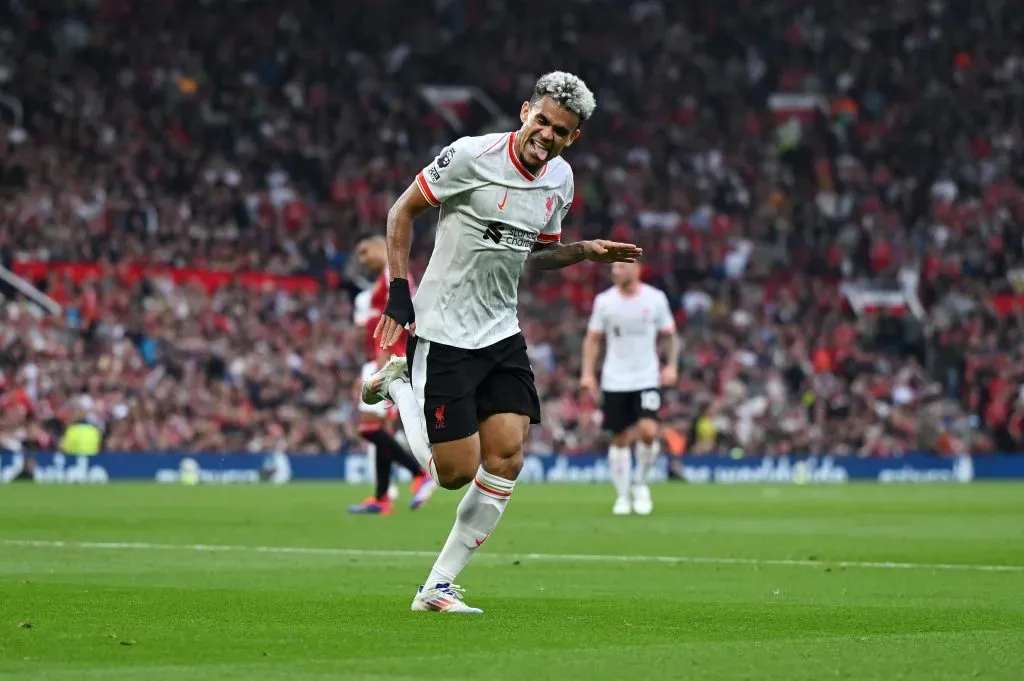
x,y
552,557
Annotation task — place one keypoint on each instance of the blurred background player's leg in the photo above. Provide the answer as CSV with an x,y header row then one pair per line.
x,y
371,422
392,382
647,436
375,427
380,463
389,451
620,463
386,450
618,420
647,447
380,503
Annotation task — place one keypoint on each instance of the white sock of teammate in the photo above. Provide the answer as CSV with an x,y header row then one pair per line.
x,y
620,461
409,409
478,514
646,455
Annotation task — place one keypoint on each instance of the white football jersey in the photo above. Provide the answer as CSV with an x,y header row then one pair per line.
x,y
493,212
630,325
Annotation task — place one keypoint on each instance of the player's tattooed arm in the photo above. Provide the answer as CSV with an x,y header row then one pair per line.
x,y
555,256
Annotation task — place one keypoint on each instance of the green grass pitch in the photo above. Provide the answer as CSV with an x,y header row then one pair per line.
x,y
157,583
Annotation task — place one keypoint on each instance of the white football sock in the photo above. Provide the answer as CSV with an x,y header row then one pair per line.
x,y
646,455
409,409
478,514
620,461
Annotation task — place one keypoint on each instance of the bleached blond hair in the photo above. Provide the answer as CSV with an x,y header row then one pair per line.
x,y
568,90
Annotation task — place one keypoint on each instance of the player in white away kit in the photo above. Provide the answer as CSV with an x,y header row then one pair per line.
x,y
631,317
469,398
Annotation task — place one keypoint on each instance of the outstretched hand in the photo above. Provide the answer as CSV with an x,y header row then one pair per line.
x,y
600,250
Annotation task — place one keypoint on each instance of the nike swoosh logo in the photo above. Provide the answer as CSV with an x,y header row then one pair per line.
x,y
479,542
501,206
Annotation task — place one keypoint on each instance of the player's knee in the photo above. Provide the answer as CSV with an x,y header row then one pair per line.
x,y
507,463
505,457
621,439
456,462
647,431
454,476
455,481
502,442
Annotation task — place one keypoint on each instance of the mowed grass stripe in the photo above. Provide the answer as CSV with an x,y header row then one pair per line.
x,y
550,557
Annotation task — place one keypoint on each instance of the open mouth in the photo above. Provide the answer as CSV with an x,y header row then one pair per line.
x,y
539,150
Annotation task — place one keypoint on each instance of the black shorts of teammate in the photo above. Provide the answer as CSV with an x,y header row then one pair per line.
x,y
622,410
458,388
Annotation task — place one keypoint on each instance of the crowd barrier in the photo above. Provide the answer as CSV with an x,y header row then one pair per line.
x,y
357,469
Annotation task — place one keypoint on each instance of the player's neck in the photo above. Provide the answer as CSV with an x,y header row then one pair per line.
x,y
630,290
534,170
517,149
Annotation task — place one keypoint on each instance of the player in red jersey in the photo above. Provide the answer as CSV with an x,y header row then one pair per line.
x,y
377,422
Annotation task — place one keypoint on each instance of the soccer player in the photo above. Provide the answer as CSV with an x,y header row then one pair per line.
x,y
376,421
467,397
631,317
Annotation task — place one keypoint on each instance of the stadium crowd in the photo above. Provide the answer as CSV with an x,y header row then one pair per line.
x,y
832,194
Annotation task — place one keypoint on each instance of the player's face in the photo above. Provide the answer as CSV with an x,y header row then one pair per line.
x,y
625,273
370,256
547,129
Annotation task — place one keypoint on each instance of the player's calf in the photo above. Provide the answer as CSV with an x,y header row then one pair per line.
x,y
620,465
648,447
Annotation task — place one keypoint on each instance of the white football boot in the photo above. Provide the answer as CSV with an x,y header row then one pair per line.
x,y
642,503
375,388
442,598
621,506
